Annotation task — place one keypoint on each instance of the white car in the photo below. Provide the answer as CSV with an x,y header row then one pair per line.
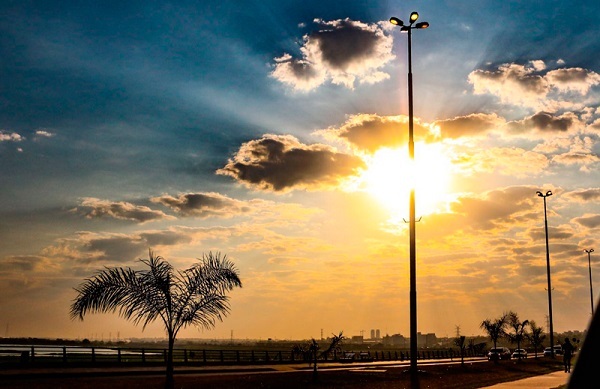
x,y
519,353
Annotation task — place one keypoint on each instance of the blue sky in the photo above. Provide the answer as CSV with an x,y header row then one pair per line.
x,y
250,128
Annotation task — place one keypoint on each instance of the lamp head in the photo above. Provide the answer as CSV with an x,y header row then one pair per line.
x,y
539,193
549,193
422,25
413,17
396,22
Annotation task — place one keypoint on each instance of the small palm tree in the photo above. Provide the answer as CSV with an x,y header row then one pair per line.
x,y
495,329
536,336
518,327
193,297
460,343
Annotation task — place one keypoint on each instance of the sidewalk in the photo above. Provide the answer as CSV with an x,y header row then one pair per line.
x,y
547,381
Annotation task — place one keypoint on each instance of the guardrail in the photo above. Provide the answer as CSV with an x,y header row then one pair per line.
x,y
30,355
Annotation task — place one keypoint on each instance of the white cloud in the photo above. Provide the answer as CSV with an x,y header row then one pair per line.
x,y
6,136
518,84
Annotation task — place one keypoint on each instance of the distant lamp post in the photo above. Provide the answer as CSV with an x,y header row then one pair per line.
x,y
590,251
411,152
548,193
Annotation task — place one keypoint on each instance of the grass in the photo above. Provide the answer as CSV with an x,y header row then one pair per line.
x,y
471,375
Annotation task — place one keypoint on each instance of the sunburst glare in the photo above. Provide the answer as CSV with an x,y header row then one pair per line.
x,y
391,175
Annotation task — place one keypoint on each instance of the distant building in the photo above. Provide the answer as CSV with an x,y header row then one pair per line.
x,y
395,340
357,339
377,334
426,340
373,334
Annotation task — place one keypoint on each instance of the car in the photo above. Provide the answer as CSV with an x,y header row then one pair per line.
x,y
519,353
557,351
498,353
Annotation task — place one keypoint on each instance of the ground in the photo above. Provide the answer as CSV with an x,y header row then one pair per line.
x,y
471,375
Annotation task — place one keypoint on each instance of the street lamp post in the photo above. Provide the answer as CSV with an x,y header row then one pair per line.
x,y
548,193
412,222
590,251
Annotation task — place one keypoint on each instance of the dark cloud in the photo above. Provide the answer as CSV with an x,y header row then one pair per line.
x,y
476,124
573,79
116,248
558,233
21,263
165,238
497,207
577,158
282,163
589,221
584,195
343,51
203,204
544,122
95,208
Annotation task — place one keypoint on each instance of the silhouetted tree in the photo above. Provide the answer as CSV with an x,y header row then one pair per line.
x,y
518,328
536,336
193,297
495,329
460,343
310,352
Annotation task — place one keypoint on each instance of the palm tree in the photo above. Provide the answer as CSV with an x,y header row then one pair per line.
x,y
518,327
495,329
310,351
460,343
536,336
193,297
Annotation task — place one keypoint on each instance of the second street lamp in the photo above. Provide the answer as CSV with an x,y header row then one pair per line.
x,y
411,153
590,251
551,329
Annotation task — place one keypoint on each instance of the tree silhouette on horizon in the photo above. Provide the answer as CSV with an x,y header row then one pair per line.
x,y
495,328
196,296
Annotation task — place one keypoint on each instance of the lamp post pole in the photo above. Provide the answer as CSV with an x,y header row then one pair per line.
x,y
590,251
548,193
412,222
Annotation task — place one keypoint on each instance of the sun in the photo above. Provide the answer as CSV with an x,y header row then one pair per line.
x,y
391,174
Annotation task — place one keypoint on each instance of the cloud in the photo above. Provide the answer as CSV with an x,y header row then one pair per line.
x,y
512,83
574,158
343,51
44,134
588,220
370,132
580,153
584,195
26,263
500,207
512,161
527,85
95,247
6,136
204,205
281,163
573,79
544,122
94,208
473,125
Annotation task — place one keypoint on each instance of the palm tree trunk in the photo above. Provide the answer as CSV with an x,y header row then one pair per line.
x,y
170,381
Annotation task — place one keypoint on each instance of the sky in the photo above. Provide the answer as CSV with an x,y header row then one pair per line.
x,y
275,132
